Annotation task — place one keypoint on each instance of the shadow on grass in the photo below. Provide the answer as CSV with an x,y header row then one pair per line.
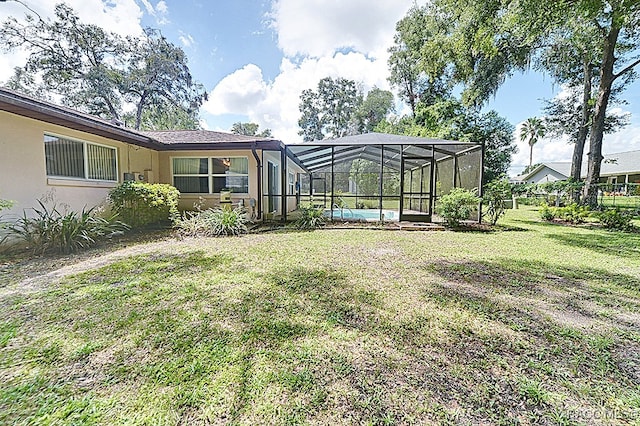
x,y
193,332
565,286
614,243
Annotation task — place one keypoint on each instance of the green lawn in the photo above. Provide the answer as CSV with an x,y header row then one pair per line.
x,y
535,324
621,201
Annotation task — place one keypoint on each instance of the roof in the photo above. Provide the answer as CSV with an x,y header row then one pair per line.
x,y
613,164
27,106
317,155
561,167
375,138
208,139
620,163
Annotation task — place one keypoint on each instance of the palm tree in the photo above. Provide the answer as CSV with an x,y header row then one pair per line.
x,y
532,129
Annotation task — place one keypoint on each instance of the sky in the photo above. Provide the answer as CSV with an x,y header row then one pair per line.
x,y
256,56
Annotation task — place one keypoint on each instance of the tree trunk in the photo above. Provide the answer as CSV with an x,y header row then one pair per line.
x,y
530,156
581,139
607,77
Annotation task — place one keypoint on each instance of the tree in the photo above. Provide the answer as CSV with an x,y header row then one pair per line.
x,y
164,116
414,81
450,119
250,129
99,72
618,25
532,130
338,109
570,116
373,109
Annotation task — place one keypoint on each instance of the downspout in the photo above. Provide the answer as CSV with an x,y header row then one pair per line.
x,y
259,168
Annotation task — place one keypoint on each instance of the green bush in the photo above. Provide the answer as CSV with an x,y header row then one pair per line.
x,y
616,219
52,230
456,206
495,193
310,218
573,213
546,212
140,204
213,223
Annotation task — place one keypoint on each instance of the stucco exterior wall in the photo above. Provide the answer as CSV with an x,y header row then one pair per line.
x,y
23,177
210,200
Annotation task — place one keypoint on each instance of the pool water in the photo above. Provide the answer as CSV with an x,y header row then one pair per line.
x,y
362,214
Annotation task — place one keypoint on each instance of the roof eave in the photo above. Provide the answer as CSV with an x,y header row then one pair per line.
x,y
14,103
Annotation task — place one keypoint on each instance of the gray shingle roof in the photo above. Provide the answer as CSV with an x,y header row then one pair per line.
x,y
171,137
624,162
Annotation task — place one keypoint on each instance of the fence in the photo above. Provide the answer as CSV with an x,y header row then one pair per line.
x,y
620,195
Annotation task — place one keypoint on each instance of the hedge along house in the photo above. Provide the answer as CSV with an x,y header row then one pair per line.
x,y
377,176
49,149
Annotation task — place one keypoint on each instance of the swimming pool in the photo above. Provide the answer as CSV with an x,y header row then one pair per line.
x,y
361,214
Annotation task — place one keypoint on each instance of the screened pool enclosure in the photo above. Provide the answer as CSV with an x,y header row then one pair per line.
x,y
377,176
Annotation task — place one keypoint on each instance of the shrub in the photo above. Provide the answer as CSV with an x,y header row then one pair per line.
x,y
52,230
494,195
310,218
456,206
574,213
213,223
546,212
140,204
616,219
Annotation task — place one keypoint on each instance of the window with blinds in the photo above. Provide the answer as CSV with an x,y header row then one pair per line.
x,y
77,159
211,175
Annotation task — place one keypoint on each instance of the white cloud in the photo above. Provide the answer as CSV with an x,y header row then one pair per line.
x,y
237,93
119,16
318,39
148,6
162,7
159,12
318,27
186,39
274,104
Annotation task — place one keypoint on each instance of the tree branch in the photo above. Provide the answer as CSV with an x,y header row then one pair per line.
x,y
627,69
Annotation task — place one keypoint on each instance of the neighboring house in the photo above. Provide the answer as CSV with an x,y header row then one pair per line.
x,y
617,168
545,172
46,149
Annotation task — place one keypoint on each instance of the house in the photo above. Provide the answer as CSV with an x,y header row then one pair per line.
x,y
545,172
617,168
49,149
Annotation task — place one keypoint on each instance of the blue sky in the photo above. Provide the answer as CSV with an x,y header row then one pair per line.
x,y
256,56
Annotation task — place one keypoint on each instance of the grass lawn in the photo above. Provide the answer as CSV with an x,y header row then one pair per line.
x,y
535,324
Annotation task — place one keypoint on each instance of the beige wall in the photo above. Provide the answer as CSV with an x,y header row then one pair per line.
x,y
210,200
23,176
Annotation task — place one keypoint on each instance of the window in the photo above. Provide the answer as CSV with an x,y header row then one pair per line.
x,y
81,160
211,175
292,183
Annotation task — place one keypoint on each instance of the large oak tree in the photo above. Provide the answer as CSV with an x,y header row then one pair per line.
x,y
100,72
